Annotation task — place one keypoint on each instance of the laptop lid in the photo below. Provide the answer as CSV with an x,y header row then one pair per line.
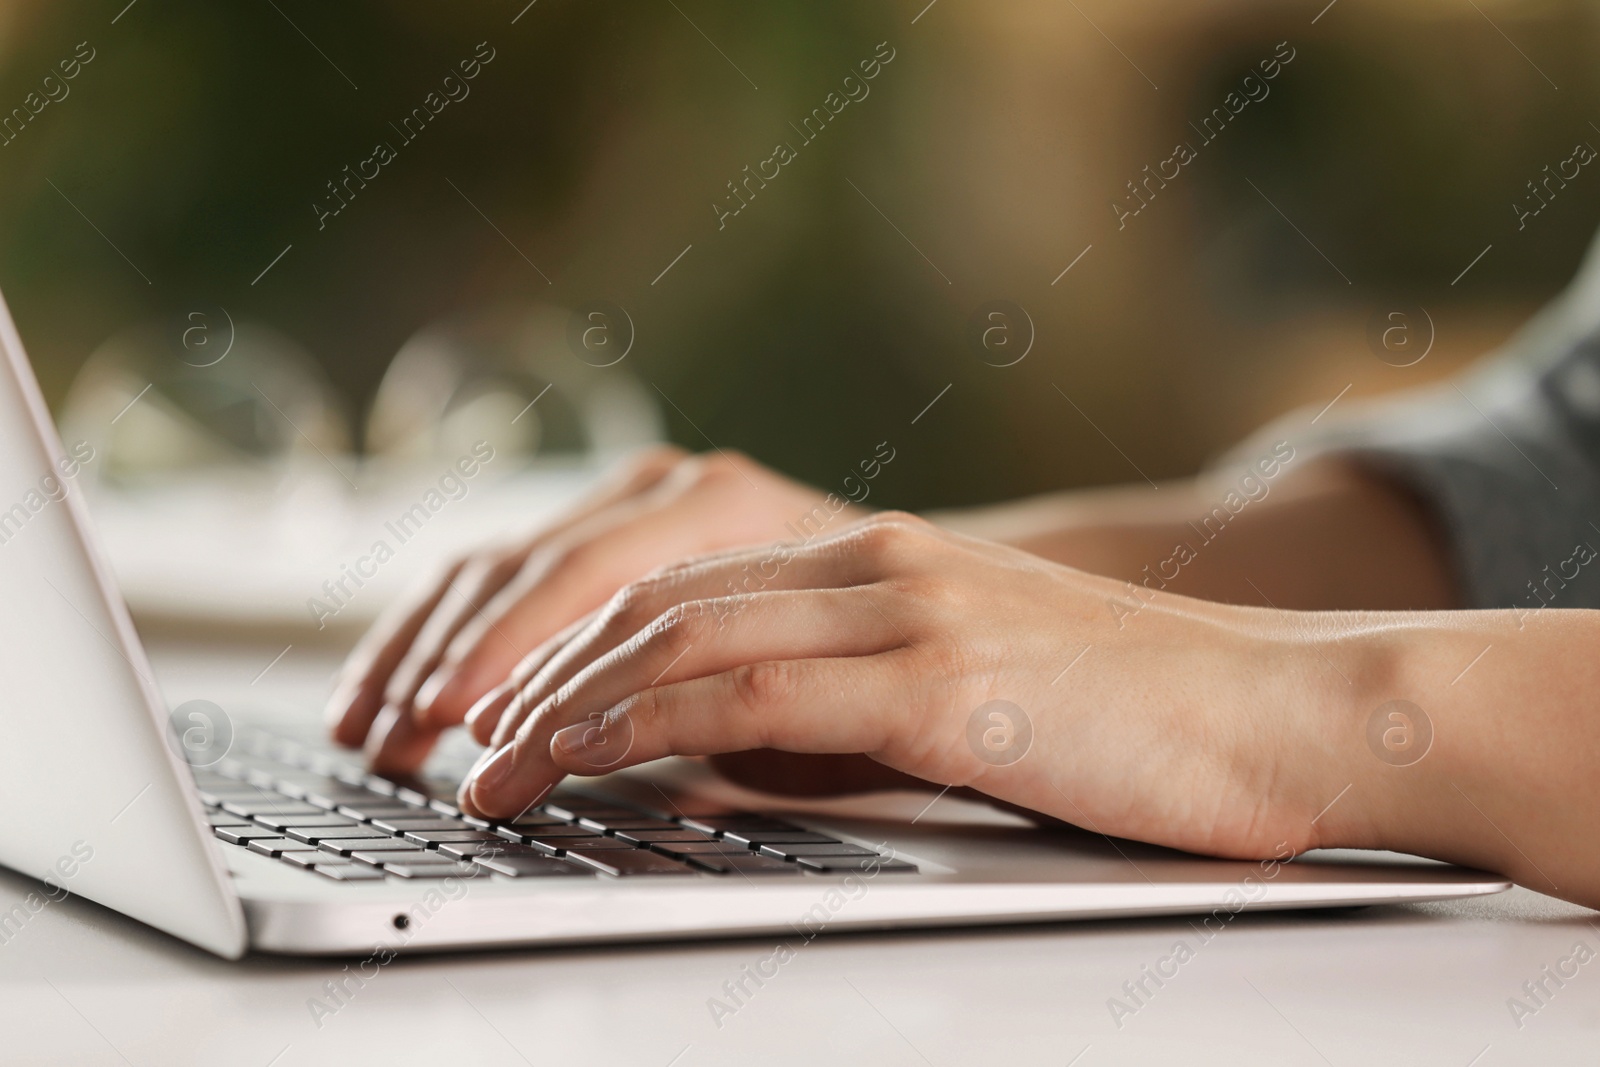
x,y
98,803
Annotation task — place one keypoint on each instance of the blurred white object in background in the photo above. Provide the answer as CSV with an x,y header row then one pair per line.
x,y
225,488
548,381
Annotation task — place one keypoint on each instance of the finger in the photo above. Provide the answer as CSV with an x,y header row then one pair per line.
x,y
396,746
704,637
358,695
705,582
464,597
392,746
853,704
485,715
570,579
367,675
400,742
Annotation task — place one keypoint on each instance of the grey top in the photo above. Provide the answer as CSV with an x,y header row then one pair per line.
x,y
1507,456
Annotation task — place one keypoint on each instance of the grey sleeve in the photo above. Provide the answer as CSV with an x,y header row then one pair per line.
x,y
1507,456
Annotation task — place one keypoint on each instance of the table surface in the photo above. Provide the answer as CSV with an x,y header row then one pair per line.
x,y
1417,984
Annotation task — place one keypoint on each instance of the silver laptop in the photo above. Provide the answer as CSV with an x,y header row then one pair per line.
x,y
235,839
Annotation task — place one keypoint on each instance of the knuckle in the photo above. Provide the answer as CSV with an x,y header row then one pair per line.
x,y
648,712
528,719
903,519
647,466
676,627
895,540
633,607
723,467
882,536
652,461
759,687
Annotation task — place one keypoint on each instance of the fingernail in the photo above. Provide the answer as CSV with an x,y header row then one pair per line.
x,y
577,740
429,692
478,764
493,775
492,701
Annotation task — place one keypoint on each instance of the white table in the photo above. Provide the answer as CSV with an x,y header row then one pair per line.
x,y
1421,984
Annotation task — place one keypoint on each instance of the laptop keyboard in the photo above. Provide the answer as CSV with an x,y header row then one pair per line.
x,y
329,817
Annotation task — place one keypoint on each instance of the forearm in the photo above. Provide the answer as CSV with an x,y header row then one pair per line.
x,y
1508,781
1326,536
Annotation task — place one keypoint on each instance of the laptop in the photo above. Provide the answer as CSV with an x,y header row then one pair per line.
x,y
237,838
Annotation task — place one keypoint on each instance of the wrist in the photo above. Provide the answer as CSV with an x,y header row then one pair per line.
x,y
1371,731
1344,742
1409,741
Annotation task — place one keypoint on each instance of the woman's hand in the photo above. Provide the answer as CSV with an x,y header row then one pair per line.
x,y
956,661
437,652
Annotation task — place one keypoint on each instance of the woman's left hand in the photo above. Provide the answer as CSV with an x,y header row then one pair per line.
x,y
957,661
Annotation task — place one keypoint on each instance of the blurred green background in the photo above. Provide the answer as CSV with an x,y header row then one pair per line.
x,y
830,312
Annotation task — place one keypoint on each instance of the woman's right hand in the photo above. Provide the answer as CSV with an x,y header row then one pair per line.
x,y
462,633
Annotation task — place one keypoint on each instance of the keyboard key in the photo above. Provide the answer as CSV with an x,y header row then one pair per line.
x,y
440,837
628,863
854,863
380,808
444,807
561,841
215,798
268,807
243,835
400,826
574,810
222,818
345,846
419,856
313,835
532,818
444,789
747,863
465,850
717,823
682,834
279,822
310,858
528,866
586,844
298,782
277,846
385,857
332,799
228,788
778,837
838,849
524,833
349,874
701,848
295,778
628,822
452,869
